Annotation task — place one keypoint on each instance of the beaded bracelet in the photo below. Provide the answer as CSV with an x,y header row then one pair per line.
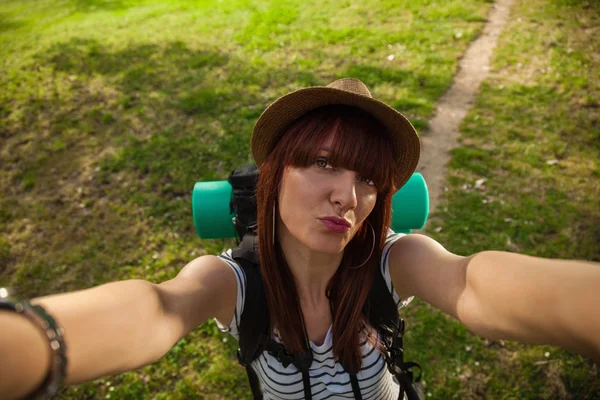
x,y
55,334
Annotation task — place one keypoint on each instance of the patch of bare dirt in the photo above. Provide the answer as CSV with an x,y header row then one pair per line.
x,y
452,108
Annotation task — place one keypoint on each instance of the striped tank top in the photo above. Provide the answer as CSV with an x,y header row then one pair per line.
x,y
327,377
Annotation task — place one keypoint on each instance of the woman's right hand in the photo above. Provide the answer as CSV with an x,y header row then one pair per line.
x,y
115,327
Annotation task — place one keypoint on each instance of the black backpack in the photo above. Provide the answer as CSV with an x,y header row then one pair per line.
x,y
254,326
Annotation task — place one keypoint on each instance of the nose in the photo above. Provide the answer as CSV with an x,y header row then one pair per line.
x,y
344,190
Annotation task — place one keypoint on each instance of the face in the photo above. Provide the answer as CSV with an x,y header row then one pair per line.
x,y
314,200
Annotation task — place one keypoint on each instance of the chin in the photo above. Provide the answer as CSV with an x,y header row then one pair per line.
x,y
334,244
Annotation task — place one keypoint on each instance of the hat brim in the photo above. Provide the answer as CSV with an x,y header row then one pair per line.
x,y
278,116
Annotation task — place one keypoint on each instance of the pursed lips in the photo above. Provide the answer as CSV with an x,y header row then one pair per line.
x,y
338,221
336,224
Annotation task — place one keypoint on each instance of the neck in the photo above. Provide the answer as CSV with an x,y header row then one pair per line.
x,y
312,270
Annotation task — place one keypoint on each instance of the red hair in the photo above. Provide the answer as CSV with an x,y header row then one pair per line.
x,y
360,143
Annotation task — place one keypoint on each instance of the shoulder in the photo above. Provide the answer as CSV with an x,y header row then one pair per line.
x,y
214,277
207,267
413,245
420,266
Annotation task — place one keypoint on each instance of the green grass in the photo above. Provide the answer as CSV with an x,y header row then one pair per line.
x,y
111,110
534,135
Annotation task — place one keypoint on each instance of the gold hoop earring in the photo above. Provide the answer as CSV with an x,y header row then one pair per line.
x,y
372,247
273,223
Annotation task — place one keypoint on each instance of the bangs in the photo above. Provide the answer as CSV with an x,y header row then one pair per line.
x,y
359,143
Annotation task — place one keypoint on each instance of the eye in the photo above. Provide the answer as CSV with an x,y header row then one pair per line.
x,y
366,180
322,162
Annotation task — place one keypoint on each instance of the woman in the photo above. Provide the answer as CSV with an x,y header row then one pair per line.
x,y
331,158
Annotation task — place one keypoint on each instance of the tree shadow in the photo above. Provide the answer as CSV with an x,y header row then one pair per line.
x,y
586,4
8,24
100,5
139,68
133,128
111,135
119,139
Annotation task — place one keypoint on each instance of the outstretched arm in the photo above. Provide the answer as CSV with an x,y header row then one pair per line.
x,y
501,295
115,327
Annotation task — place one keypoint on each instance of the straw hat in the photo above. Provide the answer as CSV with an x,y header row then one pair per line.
x,y
278,116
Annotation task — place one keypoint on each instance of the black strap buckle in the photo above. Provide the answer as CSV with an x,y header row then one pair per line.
x,y
238,353
406,367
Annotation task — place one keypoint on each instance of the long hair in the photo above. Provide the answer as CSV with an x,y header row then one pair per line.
x,y
360,143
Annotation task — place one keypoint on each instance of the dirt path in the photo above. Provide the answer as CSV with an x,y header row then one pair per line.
x,y
453,106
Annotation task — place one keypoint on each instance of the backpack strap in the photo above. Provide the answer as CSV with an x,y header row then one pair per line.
x,y
306,384
402,370
380,307
303,363
253,380
383,315
300,361
355,387
254,323
243,199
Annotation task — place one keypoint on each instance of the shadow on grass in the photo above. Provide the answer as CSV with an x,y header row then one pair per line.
x,y
108,146
105,154
101,5
8,24
141,69
586,4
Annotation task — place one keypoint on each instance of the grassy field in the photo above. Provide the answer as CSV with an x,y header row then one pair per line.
x,y
534,137
111,110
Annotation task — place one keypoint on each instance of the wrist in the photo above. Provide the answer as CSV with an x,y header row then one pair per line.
x,y
26,356
53,335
